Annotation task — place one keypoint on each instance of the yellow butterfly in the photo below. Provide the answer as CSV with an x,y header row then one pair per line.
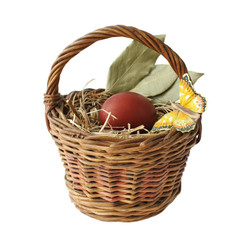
x,y
187,112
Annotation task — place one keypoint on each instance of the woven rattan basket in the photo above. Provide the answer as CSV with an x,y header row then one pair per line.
x,y
112,178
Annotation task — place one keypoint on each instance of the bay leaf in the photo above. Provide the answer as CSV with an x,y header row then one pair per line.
x,y
173,93
133,64
157,81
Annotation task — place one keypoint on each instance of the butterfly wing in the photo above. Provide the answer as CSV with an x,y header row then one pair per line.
x,y
166,122
197,104
187,91
184,123
188,96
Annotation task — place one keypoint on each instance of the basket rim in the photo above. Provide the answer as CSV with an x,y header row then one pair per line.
x,y
64,127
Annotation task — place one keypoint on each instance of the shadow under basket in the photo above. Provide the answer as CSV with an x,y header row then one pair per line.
x,y
118,178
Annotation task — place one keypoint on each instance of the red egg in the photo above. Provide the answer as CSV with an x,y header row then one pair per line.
x,y
128,107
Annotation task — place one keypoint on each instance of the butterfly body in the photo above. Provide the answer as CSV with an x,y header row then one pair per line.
x,y
185,115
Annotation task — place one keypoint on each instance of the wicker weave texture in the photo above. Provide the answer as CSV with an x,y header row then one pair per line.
x,y
123,180
112,178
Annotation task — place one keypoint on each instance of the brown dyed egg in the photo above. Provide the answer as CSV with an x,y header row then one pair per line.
x,y
128,107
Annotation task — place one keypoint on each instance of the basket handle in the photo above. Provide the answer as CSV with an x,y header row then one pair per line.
x,y
52,96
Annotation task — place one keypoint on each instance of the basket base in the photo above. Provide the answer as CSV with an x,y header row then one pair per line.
x,y
117,212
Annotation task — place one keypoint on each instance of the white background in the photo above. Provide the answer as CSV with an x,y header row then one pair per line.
x,y
208,35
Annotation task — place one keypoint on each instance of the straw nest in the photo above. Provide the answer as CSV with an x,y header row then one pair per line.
x,y
81,109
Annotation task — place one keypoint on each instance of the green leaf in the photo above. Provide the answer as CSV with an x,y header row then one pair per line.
x,y
173,92
158,81
134,63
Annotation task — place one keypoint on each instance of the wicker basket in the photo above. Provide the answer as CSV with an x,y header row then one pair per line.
x,y
113,178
